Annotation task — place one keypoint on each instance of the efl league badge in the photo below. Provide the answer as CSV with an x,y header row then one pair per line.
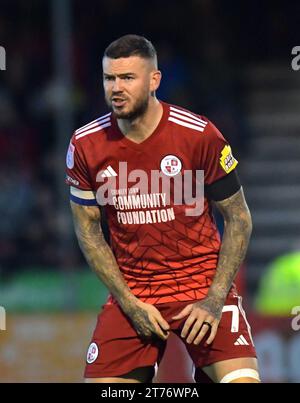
x,y
92,353
70,156
170,165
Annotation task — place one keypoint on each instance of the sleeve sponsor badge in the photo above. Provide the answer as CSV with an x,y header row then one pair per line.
x,y
70,156
227,160
71,180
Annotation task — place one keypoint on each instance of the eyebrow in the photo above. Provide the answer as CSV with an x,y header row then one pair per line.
x,y
119,75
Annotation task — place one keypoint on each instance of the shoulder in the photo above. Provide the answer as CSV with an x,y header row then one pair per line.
x,y
187,119
191,122
93,127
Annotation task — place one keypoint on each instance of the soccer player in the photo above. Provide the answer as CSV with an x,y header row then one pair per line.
x,y
166,267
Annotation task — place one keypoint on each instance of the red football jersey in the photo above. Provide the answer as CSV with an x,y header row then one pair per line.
x,y
164,254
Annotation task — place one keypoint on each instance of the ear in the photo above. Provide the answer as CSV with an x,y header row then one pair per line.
x,y
155,80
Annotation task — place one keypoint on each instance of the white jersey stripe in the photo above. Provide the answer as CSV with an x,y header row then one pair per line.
x,y
241,341
82,127
112,171
244,316
242,338
93,121
93,130
189,125
90,126
187,119
187,114
106,174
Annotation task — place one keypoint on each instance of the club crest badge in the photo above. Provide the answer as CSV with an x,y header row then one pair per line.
x,y
92,353
170,165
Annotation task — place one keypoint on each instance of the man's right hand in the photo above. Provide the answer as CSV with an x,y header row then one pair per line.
x,y
147,320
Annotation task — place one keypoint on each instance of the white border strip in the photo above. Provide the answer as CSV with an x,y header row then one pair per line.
x,y
187,119
240,373
82,194
93,121
93,130
187,114
99,122
189,125
244,316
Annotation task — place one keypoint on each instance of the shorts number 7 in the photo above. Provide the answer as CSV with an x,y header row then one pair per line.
x,y
235,316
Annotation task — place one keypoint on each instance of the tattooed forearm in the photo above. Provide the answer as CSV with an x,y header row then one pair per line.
x,y
237,231
98,253
145,318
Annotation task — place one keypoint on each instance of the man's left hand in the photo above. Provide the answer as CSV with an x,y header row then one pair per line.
x,y
199,322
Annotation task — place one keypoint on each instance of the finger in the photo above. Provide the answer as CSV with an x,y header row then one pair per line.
x,y
188,323
162,322
156,328
159,318
186,311
147,330
213,333
194,332
159,332
145,326
204,329
163,332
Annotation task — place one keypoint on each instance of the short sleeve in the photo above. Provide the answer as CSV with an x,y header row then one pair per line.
x,y
77,177
216,158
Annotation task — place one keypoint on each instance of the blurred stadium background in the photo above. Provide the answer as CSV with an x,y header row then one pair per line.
x,y
230,61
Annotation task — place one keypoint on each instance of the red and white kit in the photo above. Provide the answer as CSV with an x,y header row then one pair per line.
x,y
166,256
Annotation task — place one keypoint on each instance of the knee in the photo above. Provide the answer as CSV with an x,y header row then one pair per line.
x,y
245,380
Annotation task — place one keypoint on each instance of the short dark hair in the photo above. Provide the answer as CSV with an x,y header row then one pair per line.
x,y
131,45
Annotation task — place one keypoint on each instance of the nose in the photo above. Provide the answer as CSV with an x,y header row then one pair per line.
x,y
117,87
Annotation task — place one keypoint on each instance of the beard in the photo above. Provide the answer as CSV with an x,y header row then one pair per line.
x,y
137,110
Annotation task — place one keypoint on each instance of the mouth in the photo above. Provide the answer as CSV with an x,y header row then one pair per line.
x,y
118,102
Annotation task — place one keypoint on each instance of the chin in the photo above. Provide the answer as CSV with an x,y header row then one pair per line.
x,y
122,114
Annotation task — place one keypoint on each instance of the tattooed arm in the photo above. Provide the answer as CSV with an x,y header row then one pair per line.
x,y
145,317
237,231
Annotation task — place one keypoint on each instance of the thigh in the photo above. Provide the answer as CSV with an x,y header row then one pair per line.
x,y
233,339
116,351
236,370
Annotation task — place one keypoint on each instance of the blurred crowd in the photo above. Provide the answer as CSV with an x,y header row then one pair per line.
x,y
203,46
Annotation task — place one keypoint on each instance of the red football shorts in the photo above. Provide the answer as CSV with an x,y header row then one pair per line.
x,y
116,349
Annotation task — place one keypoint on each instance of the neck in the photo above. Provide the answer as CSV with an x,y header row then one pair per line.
x,y
142,127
